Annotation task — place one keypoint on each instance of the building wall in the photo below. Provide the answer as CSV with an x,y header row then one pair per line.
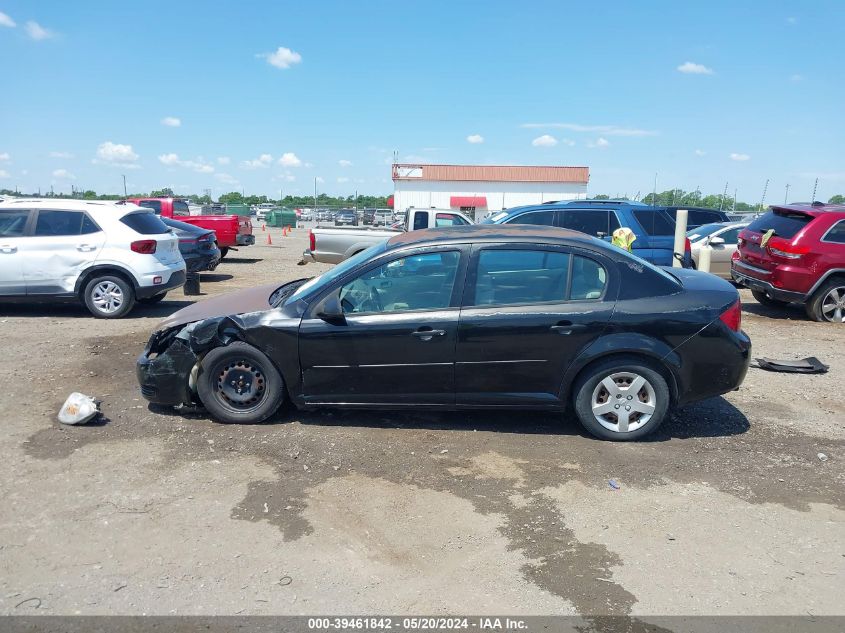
x,y
500,195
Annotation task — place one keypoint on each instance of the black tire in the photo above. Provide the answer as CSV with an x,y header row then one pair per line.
x,y
223,252
822,306
624,369
153,300
241,362
765,300
108,297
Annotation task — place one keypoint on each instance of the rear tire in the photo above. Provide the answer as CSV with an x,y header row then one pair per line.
x,y
108,297
764,299
621,399
240,366
827,304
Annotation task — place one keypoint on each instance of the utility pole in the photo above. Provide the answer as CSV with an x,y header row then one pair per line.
x,y
816,186
125,195
763,199
654,192
356,201
725,195
786,195
315,195
281,197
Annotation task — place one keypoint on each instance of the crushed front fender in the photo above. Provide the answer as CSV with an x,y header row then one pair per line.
x,y
164,368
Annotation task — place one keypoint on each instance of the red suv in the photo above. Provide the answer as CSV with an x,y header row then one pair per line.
x,y
795,253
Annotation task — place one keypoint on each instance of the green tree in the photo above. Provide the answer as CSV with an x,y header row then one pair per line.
x,y
167,192
231,197
837,199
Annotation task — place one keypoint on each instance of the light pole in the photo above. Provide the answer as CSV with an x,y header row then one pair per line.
x,y
315,195
125,195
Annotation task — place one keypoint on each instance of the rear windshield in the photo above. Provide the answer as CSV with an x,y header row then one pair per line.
x,y
180,207
145,223
785,223
697,217
655,221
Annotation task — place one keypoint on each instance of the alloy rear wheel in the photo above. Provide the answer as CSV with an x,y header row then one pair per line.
x,y
828,303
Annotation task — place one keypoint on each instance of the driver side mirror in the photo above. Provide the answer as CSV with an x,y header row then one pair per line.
x,y
329,308
716,241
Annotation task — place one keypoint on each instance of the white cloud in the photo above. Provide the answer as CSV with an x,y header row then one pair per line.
x,y
61,155
607,130
699,152
172,160
259,163
226,179
4,174
343,179
796,77
547,140
37,32
64,174
171,121
5,156
599,143
740,157
289,159
223,160
283,58
344,163
5,20
691,68
475,139
116,154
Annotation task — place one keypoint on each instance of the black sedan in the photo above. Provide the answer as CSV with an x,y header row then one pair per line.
x,y
518,317
197,245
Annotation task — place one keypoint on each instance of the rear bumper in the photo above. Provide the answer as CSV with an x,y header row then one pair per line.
x,y
764,286
714,362
197,263
308,256
245,240
176,280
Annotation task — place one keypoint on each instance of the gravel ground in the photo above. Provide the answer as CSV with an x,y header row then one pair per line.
x,y
727,510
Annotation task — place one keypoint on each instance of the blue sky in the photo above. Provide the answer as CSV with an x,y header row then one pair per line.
x,y
271,95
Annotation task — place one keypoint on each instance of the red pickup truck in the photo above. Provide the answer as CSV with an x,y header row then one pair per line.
x,y
232,230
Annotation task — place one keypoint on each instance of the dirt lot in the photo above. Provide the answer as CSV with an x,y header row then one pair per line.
x,y
729,510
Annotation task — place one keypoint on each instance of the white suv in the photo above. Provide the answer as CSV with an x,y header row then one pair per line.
x,y
105,254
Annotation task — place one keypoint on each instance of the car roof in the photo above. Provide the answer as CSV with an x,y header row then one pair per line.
x,y
515,233
810,208
70,204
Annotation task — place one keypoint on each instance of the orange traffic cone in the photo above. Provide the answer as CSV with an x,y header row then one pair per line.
x,y
262,226
269,240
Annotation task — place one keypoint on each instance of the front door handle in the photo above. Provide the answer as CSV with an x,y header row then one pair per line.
x,y
8,249
428,334
86,248
566,327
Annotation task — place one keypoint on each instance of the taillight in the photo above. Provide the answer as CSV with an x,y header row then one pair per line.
x,y
189,240
145,247
312,241
687,246
732,317
780,247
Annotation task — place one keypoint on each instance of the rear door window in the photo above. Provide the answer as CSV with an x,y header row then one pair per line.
x,y
836,234
595,222
145,223
13,223
785,223
655,221
57,223
421,220
520,276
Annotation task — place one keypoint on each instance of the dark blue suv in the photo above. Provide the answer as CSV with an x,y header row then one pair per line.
x,y
653,226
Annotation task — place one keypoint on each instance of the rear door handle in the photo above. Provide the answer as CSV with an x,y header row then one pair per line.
x,y
8,249
427,335
565,327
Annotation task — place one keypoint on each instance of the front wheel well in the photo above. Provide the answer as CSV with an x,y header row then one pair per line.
x,y
651,361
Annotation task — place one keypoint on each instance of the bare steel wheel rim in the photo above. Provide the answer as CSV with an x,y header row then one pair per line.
x,y
107,297
623,402
833,305
241,384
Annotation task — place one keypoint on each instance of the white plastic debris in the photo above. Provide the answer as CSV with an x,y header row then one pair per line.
x,y
78,409
822,457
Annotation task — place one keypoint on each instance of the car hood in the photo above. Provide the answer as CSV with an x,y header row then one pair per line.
x,y
238,302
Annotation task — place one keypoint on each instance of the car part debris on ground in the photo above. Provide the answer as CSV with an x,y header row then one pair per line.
x,y
809,365
78,409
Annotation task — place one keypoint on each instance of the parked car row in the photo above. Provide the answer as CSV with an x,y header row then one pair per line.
x,y
107,255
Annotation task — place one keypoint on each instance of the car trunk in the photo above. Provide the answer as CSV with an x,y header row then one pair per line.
x,y
784,223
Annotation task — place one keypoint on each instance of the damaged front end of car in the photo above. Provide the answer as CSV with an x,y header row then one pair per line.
x,y
168,367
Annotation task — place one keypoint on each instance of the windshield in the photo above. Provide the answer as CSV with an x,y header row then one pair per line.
x,y
338,271
700,232
493,219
